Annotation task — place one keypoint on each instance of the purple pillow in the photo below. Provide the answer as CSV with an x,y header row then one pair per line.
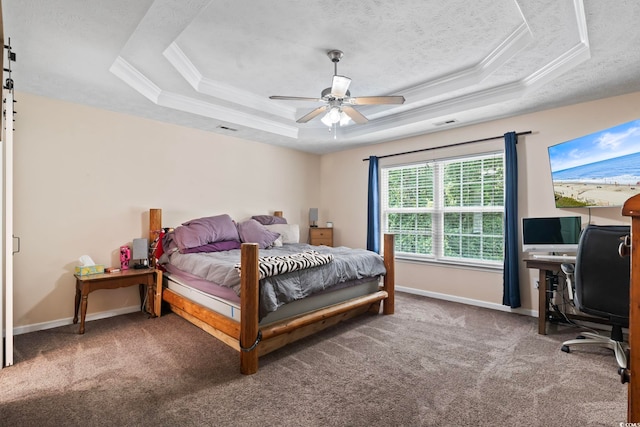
x,y
269,219
199,232
225,245
251,231
169,243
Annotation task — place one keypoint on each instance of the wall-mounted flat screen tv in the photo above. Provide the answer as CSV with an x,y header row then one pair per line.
x,y
597,170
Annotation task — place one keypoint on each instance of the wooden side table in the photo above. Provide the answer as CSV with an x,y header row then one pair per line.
x,y
149,279
321,236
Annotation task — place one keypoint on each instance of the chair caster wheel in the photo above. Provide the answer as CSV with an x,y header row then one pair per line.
x,y
566,349
625,375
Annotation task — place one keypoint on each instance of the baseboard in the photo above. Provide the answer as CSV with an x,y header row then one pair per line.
x,y
468,301
126,310
68,321
500,307
131,309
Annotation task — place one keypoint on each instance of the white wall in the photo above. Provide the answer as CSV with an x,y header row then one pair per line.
x,y
344,189
86,178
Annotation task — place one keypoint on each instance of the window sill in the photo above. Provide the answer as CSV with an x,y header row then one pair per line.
x,y
450,264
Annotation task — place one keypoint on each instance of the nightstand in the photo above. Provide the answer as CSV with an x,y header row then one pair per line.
x,y
321,236
148,279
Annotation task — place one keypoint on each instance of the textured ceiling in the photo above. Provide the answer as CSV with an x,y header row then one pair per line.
x,y
212,64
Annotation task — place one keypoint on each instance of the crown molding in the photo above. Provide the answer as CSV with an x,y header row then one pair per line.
x,y
139,82
178,59
416,113
513,44
224,114
573,57
577,54
181,62
134,78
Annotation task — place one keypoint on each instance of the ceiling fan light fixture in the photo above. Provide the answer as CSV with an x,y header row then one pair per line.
x,y
333,116
326,121
344,119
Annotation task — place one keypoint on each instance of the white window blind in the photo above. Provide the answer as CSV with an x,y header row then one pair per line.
x,y
448,210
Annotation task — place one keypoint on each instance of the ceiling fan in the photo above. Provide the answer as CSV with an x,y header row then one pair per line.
x,y
338,102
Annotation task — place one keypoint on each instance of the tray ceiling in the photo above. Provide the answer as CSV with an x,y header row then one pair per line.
x,y
212,64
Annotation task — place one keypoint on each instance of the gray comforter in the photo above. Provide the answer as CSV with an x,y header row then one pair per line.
x,y
348,264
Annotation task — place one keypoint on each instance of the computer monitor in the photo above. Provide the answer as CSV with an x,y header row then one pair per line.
x,y
551,234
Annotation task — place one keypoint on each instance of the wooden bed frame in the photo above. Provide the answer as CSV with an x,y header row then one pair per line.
x,y
252,340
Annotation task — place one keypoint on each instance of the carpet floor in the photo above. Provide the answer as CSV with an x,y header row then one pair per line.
x,y
433,363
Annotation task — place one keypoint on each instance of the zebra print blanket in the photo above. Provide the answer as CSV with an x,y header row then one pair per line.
x,y
279,264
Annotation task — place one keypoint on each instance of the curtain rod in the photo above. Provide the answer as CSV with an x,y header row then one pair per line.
x,y
447,146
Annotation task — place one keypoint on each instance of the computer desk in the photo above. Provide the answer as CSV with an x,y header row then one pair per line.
x,y
546,266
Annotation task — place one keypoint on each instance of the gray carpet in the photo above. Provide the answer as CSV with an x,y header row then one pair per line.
x,y
433,363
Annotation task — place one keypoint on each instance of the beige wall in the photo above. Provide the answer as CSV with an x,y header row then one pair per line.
x,y
344,189
85,179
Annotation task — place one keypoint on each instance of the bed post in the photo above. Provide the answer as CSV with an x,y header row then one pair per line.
x,y
155,223
390,277
249,295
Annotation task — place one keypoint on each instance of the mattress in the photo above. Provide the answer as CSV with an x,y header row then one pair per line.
x,y
179,284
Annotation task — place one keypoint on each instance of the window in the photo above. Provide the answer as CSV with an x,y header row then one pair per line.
x,y
449,210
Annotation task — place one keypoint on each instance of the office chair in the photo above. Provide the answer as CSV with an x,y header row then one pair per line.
x,y
569,270
601,281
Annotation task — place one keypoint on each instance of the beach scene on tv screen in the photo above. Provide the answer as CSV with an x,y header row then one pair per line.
x,y
597,170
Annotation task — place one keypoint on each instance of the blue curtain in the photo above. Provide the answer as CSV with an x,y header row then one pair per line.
x,y
373,209
511,274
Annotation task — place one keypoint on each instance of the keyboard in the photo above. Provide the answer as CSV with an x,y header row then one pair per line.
x,y
568,258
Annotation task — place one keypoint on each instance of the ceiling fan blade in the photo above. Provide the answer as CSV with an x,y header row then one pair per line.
x,y
354,114
375,100
340,86
295,98
312,114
